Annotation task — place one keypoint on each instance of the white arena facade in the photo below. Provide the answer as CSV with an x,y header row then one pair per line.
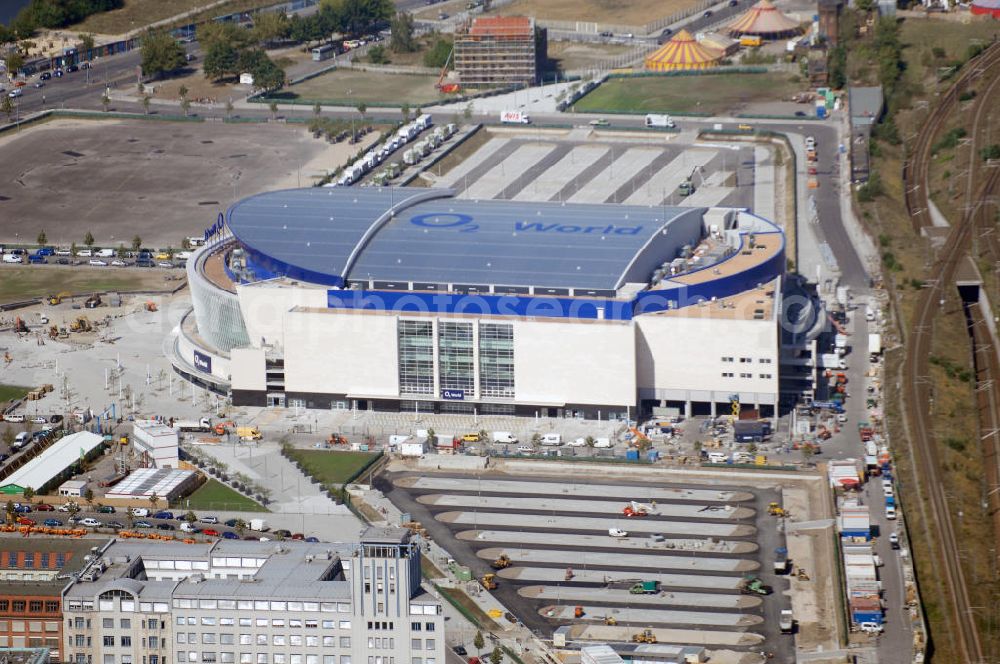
x,y
409,299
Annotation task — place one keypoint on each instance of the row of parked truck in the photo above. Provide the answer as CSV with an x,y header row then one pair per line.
x,y
380,152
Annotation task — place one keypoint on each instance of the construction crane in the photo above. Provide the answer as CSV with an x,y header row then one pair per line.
x,y
447,88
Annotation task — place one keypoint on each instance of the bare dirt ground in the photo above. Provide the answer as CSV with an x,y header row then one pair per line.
x,y
160,180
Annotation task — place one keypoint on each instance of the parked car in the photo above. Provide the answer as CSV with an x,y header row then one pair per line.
x,y
163,514
117,525
56,419
312,539
211,532
460,651
232,522
72,68
97,261
65,507
298,536
230,535
39,419
283,533
44,507
22,508
91,522
45,76
106,509
209,519
143,524
25,521
53,523
167,526
118,263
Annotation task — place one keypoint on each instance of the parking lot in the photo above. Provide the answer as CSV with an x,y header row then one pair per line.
x,y
698,543
584,166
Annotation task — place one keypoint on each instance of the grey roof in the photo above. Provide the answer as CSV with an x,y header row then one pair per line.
x,y
865,104
436,239
384,535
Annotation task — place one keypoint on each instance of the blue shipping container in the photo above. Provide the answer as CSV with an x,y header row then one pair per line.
x,y
653,455
867,616
632,455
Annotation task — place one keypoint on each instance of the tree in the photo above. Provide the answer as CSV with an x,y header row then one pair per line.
x,y
269,27
402,40
8,436
88,239
28,493
190,517
438,54
229,109
161,54
121,250
185,105
186,244
105,101
228,33
317,109
268,76
362,109
15,60
130,518
273,107
496,656
355,17
240,527
146,100
72,248
88,497
86,42
589,440
153,500
136,242
7,106
221,60
478,643
405,110
42,238
182,92
377,55
10,512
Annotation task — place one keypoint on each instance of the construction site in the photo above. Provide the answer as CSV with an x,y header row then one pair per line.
x,y
499,51
689,559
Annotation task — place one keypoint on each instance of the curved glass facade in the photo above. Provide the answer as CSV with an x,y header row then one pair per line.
x,y
217,311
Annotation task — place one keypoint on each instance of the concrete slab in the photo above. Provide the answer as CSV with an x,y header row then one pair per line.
x,y
637,616
624,597
500,176
663,635
642,492
623,559
646,525
712,192
671,581
703,512
623,167
478,158
523,537
663,184
548,184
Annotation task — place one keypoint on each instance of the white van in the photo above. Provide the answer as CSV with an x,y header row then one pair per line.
x,y
11,417
717,457
105,253
139,511
22,439
552,439
505,437
602,442
187,527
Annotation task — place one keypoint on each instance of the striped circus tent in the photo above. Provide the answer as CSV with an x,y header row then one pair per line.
x,y
764,20
682,52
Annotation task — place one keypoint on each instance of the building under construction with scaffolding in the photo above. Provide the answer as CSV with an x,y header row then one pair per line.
x,y
498,51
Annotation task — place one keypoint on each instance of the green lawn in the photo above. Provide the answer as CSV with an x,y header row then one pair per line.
x,y
11,392
707,93
331,466
214,495
21,283
351,87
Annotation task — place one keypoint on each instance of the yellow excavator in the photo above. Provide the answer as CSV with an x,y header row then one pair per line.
x,y
56,299
645,636
488,581
503,562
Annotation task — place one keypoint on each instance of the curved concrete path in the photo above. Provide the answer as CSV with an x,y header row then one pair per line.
x,y
707,512
694,637
667,581
641,493
640,543
609,558
652,616
647,525
621,597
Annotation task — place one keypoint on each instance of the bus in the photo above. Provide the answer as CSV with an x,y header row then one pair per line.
x,y
324,52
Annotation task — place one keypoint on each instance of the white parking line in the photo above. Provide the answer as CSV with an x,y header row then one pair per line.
x,y
497,178
551,182
617,173
667,179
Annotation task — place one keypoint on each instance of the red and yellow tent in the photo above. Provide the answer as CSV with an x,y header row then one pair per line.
x,y
683,52
764,20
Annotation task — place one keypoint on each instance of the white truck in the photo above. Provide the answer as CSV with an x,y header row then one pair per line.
x,y
840,343
832,361
617,532
552,439
514,117
505,437
787,621
657,120
204,424
874,345
412,450
259,525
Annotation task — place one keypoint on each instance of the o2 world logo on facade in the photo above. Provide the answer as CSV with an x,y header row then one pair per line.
x,y
465,223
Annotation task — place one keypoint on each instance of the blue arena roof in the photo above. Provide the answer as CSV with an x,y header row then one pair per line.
x,y
336,235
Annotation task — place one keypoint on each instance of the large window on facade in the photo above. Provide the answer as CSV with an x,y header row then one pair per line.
x,y
455,357
416,357
496,360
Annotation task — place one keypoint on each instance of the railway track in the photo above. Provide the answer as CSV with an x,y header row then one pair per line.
x,y
916,167
916,373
